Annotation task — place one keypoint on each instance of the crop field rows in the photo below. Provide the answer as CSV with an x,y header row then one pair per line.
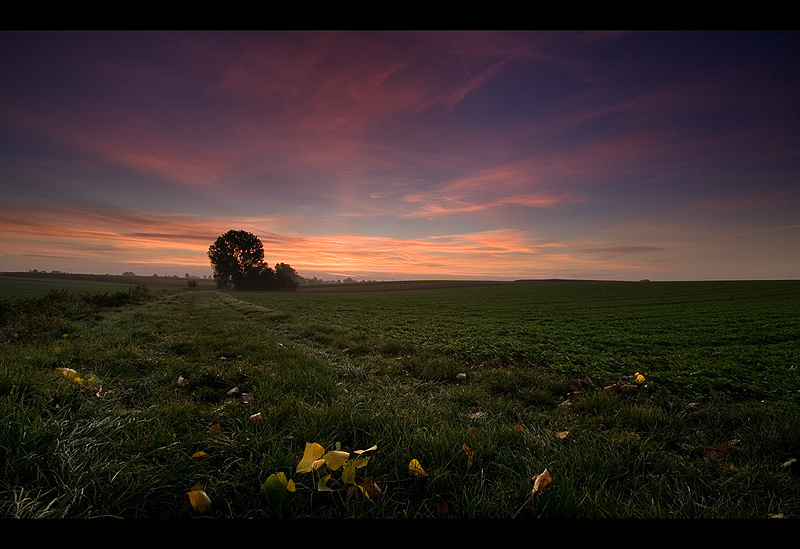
x,y
663,400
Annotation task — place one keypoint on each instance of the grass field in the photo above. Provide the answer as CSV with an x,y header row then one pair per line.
x,y
485,386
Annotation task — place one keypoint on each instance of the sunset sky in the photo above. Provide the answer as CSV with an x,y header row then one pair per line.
x,y
404,155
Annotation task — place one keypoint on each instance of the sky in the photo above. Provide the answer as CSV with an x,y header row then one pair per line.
x,y
388,155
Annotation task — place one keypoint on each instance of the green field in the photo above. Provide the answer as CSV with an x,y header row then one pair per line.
x,y
732,337
486,386
38,284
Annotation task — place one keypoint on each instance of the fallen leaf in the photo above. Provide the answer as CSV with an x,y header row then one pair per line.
x,y
322,485
216,428
349,473
199,499
198,455
416,469
336,459
461,377
520,429
477,415
68,373
561,434
470,454
311,456
442,507
370,488
182,382
539,482
247,398
359,452
276,487
718,451
233,391
256,417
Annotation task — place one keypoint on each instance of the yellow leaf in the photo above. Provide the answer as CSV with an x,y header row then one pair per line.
x,y
520,429
276,486
335,459
349,473
199,499
200,454
311,455
470,454
361,462
68,373
539,482
322,485
359,452
416,469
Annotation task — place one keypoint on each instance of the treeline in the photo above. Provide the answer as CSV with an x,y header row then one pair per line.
x,y
282,278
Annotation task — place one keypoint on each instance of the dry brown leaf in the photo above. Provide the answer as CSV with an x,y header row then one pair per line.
x,y
216,428
718,451
441,507
247,398
256,417
539,482
370,488
520,429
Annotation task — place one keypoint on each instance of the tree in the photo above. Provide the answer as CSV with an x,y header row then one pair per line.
x,y
286,278
237,258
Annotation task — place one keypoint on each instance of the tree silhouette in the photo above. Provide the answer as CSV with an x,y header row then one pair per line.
x,y
237,257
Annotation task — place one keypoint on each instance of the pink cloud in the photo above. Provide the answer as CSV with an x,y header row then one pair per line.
x,y
519,183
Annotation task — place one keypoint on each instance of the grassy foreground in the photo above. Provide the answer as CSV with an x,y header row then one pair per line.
x,y
167,394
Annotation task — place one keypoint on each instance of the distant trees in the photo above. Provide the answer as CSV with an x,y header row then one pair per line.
x,y
237,258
